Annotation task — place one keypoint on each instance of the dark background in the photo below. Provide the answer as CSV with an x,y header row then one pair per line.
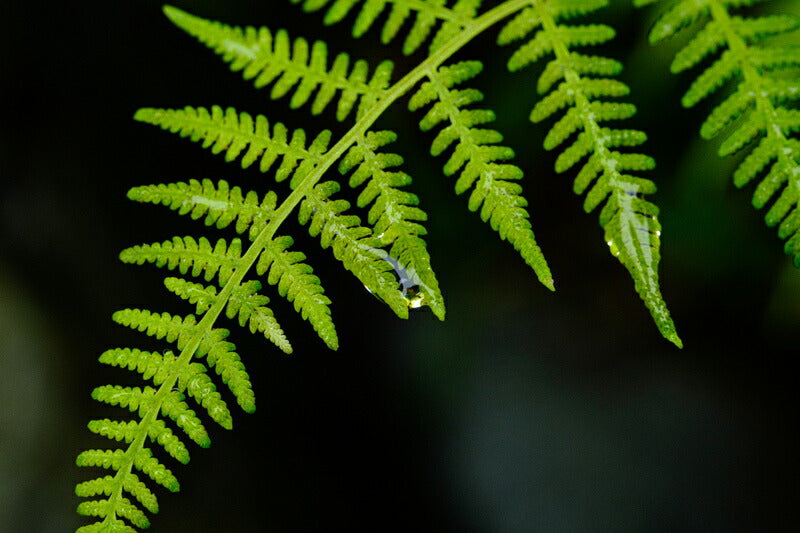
x,y
524,411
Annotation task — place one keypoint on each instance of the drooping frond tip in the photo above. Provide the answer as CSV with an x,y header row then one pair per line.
x,y
581,85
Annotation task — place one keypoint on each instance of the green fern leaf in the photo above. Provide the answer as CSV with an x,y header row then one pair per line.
x,y
352,244
756,111
237,134
477,158
220,204
268,58
297,283
185,253
388,254
632,230
394,216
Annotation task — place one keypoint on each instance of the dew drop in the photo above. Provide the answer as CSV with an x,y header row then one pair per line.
x,y
413,296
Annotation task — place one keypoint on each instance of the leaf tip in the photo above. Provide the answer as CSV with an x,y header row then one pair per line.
x,y
549,283
175,15
144,114
674,339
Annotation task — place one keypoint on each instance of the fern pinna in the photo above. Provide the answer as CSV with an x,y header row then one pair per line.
x,y
756,116
387,252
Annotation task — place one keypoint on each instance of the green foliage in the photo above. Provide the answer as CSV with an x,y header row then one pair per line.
x,y
425,16
394,215
582,87
475,159
756,116
385,250
268,58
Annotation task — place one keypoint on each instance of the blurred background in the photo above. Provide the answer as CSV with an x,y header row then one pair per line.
x,y
524,411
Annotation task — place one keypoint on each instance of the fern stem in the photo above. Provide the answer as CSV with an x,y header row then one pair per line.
x,y
753,79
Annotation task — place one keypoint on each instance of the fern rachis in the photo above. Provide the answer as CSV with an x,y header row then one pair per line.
x,y
394,221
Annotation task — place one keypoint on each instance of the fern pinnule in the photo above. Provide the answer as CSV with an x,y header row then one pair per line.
x,y
189,255
297,283
219,203
238,134
630,222
426,16
756,115
275,59
395,216
244,304
477,159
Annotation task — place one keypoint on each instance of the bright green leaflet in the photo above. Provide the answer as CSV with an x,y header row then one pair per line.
x,y
385,250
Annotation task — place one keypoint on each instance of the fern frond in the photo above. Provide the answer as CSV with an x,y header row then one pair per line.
x,y
289,65
395,216
220,204
426,14
238,134
189,255
756,113
477,159
389,246
632,230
